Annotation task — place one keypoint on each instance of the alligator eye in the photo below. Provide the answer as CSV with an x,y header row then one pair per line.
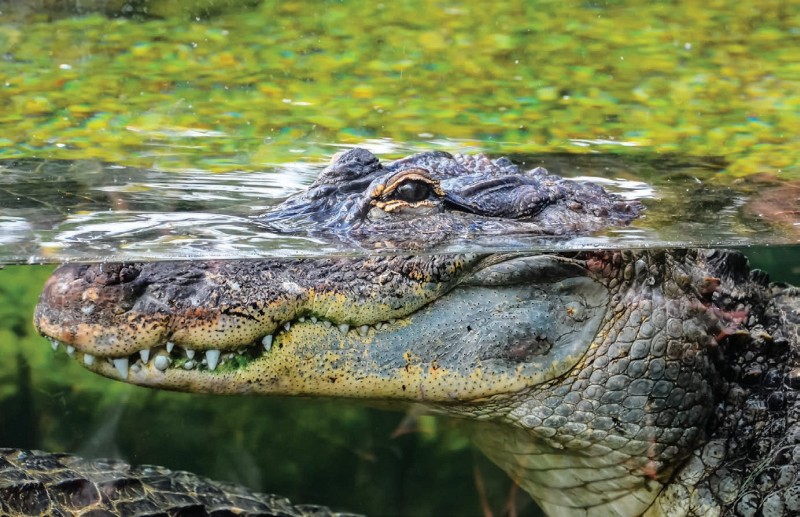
x,y
413,191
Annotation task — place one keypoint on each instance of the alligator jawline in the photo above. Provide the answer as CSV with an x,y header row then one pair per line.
x,y
163,358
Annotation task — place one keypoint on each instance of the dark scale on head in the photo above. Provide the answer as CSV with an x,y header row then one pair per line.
x,y
446,198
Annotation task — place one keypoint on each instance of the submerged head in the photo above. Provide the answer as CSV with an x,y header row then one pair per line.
x,y
593,367
477,335
430,328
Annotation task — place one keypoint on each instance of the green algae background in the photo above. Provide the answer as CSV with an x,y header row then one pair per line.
x,y
284,80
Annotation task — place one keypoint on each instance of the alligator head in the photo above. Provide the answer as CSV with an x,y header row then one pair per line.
x,y
593,377
433,198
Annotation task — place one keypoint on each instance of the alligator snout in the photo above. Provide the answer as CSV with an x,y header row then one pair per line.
x,y
136,313
88,307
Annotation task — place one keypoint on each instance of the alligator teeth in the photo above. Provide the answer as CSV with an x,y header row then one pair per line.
x,y
209,358
161,362
212,357
122,367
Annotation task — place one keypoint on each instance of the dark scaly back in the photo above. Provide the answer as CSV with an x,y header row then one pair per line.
x,y
40,483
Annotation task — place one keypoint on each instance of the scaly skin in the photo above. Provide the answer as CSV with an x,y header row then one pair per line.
x,y
38,483
628,383
605,383
434,200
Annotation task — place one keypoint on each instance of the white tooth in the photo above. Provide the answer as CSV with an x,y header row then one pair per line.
x,y
212,356
313,319
190,353
88,359
70,350
241,351
229,356
327,323
188,365
54,344
267,342
122,367
287,325
136,367
363,329
392,321
161,362
145,355
302,319
343,328
170,346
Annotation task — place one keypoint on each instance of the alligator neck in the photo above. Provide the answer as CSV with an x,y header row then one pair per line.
x,y
592,480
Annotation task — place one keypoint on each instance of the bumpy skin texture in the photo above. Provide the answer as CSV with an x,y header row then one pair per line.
x,y
39,483
685,404
435,198
681,400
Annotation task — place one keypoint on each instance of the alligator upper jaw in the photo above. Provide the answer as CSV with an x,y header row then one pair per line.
x,y
483,327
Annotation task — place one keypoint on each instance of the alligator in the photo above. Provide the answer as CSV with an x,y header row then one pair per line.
x,y
605,382
35,483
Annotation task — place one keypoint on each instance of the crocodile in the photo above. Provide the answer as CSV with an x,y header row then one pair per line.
x,y
605,382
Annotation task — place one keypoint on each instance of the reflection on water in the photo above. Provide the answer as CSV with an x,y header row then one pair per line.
x,y
54,211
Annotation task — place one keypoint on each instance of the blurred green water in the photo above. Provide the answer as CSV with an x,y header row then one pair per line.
x,y
283,81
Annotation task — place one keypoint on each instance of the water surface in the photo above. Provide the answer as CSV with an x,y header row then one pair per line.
x,y
54,211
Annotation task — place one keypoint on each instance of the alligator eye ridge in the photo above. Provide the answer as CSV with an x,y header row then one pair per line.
x,y
412,191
